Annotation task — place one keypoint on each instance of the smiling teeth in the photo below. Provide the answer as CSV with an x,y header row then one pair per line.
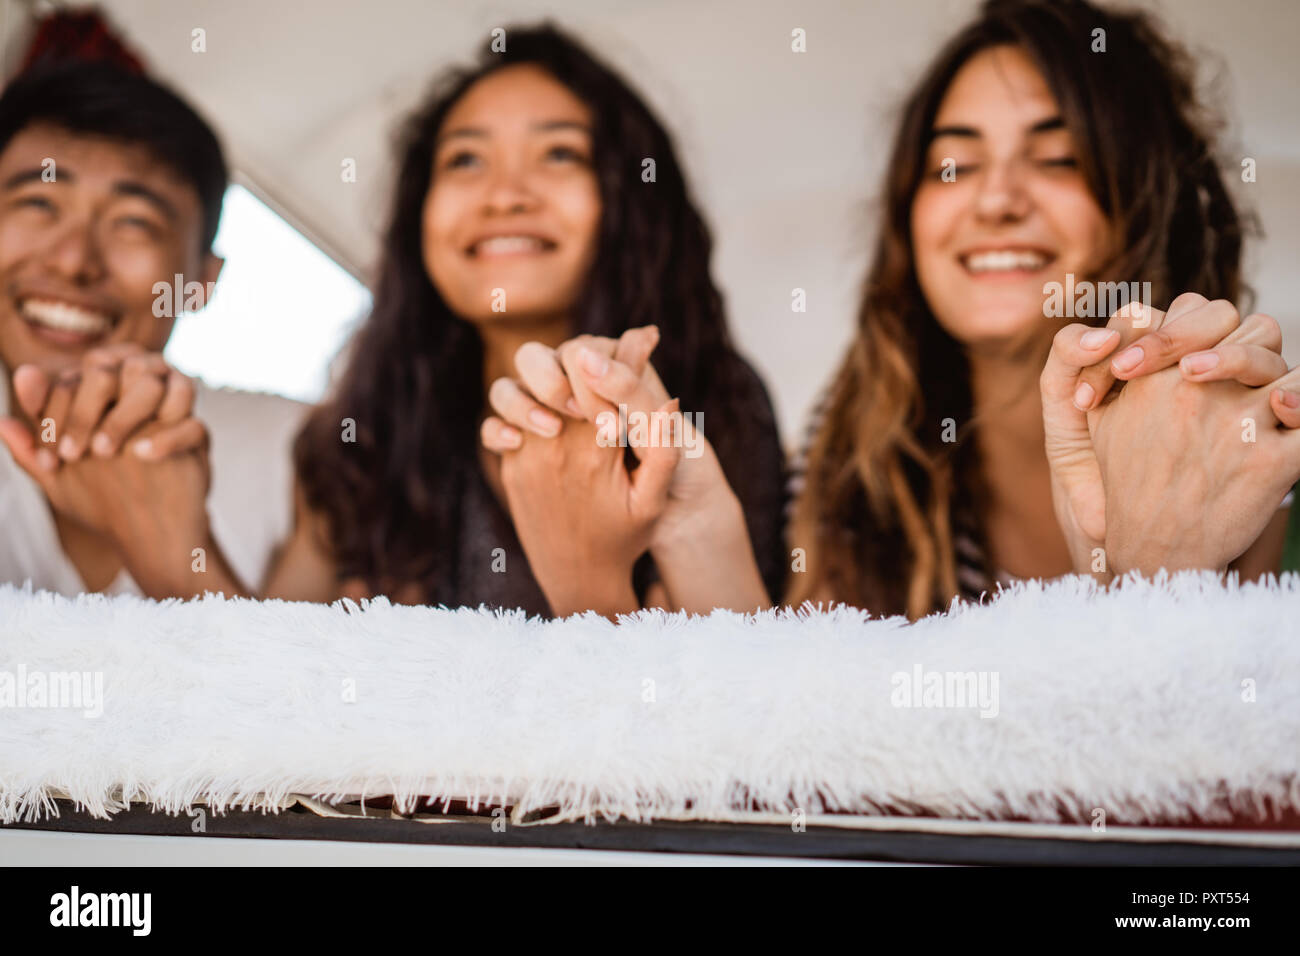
x,y
508,245
64,318
1005,261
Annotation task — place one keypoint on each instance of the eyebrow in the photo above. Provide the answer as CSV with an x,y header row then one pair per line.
x,y
36,174
561,124
1048,125
461,131
545,127
126,187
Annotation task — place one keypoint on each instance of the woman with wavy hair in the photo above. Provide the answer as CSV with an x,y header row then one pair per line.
x,y
1026,157
523,211
1066,162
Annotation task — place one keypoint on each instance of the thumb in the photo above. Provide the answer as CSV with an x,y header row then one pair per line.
x,y
635,345
654,474
22,445
1075,348
1069,446
32,388
1078,476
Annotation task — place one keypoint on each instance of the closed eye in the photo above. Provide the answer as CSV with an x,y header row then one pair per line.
x,y
463,159
138,222
566,154
962,169
34,202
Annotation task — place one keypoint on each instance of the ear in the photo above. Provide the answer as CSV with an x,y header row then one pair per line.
x,y
207,273
212,266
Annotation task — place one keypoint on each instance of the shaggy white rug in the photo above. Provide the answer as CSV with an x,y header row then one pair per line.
x,y
1154,702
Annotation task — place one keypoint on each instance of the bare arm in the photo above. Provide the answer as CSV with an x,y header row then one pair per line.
x,y
709,562
304,569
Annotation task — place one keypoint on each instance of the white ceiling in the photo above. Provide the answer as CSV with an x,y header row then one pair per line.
x,y
784,150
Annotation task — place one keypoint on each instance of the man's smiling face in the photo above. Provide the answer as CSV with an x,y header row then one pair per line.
x,y
80,255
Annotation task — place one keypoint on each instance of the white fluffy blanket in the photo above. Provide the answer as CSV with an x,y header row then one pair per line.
x,y
1154,702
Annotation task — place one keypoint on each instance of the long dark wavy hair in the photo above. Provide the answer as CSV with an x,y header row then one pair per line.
x,y
413,380
884,495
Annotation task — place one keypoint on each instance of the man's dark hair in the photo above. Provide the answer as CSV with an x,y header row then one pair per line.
x,y
102,100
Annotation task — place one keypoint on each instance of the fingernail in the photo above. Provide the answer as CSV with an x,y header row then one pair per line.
x,y
1200,362
46,460
68,449
143,448
1288,398
544,422
1083,396
101,445
511,436
1095,339
593,363
571,406
1128,360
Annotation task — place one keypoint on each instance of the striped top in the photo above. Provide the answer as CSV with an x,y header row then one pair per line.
x,y
973,578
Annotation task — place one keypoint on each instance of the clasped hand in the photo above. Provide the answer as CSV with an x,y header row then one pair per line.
x,y
113,444
1185,465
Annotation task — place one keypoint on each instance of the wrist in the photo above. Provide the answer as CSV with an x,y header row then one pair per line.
x,y
1148,565
183,564
608,594
708,562
717,516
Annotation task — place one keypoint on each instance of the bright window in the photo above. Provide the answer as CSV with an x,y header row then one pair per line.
x,y
280,313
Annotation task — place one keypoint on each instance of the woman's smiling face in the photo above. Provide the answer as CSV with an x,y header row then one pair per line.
x,y
511,218
1017,213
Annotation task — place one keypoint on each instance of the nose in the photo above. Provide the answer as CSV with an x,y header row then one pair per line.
x,y
508,191
74,253
1002,196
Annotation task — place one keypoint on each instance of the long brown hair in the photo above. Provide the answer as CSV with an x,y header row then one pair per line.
x,y
883,492
412,386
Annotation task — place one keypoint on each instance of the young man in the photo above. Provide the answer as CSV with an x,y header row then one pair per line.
x,y
110,185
